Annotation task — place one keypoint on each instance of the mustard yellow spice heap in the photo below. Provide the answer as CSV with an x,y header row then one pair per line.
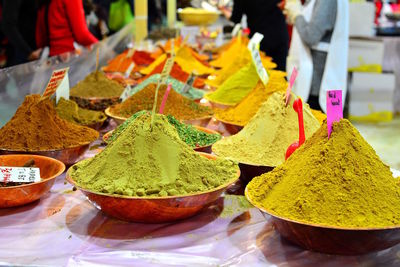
x,y
338,182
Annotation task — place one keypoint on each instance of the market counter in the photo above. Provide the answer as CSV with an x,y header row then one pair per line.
x,y
64,229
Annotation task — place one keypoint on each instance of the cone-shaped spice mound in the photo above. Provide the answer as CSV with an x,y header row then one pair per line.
x,y
333,182
177,105
97,84
36,127
145,161
264,140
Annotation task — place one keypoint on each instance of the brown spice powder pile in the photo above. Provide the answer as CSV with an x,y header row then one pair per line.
x,y
36,127
177,105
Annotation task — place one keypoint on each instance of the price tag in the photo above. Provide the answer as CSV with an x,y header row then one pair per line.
x,y
189,83
334,110
126,93
236,29
19,175
55,80
290,86
129,70
254,48
167,69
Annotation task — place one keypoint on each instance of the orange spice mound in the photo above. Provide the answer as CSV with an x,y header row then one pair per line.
x,y
177,105
36,127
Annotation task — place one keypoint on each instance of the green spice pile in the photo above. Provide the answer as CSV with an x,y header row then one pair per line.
x,y
189,134
97,84
152,161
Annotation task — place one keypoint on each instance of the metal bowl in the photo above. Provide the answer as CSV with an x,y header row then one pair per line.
x,y
13,196
95,103
153,209
68,156
119,120
331,239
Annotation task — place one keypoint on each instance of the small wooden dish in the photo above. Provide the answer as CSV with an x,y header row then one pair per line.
x,y
13,196
153,209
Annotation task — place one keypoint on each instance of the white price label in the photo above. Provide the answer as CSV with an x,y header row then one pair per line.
x,y
19,175
254,48
55,80
236,30
129,70
126,93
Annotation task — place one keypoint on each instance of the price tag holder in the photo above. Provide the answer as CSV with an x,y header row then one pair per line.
x,y
334,108
290,86
126,93
236,29
189,83
57,78
129,70
254,48
19,175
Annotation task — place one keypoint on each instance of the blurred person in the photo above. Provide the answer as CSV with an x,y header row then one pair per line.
x,y
319,48
265,17
18,25
60,23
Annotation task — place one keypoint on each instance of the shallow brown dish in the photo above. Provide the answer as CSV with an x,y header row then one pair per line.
x,y
98,125
205,149
95,103
118,119
68,156
231,128
332,240
153,209
19,195
248,171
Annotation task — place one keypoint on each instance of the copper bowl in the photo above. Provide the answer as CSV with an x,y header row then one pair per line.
x,y
118,119
97,125
331,239
96,103
230,128
153,209
19,195
205,149
68,156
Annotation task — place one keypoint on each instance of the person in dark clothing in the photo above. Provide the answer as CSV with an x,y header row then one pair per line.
x,y
265,17
18,25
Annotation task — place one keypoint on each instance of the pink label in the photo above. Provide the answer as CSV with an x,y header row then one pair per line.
x,y
334,108
293,77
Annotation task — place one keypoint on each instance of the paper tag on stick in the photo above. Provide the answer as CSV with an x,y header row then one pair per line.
x,y
254,48
290,86
334,108
19,175
55,80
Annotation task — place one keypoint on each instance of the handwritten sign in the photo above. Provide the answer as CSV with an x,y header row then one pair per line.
x,y
290,86
334,108
55,80
19,175
254,48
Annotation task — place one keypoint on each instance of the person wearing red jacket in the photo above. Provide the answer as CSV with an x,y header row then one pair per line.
x,y
60,23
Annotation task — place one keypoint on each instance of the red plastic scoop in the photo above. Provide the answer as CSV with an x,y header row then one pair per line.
x,y
298,107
